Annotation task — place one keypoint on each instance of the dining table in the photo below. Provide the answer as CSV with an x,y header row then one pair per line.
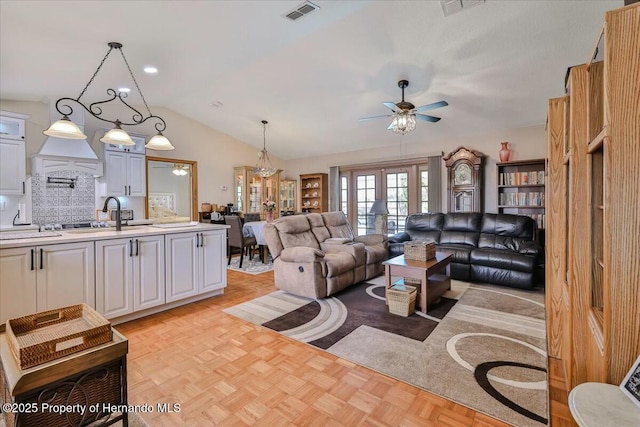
x,y
255,229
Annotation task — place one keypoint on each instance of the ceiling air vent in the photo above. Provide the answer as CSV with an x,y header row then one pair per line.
x,y
301,10
453,6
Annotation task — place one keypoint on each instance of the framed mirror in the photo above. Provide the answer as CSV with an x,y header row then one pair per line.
x,y
172,190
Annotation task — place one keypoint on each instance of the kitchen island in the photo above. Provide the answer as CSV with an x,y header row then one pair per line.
x,y
124,275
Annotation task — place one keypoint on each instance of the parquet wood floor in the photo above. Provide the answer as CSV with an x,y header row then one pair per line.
x,y
226,372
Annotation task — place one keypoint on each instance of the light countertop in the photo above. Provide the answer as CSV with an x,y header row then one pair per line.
x,y
93,234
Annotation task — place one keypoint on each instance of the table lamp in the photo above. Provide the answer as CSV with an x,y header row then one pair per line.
x,y
379,209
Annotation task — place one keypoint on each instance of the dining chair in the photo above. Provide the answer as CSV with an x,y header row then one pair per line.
x,y
236,239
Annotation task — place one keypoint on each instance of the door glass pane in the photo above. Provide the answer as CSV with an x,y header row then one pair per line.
x,y
424,191
344,194
366,191
397,200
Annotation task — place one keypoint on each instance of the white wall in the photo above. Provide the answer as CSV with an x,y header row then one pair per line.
x,y
526,143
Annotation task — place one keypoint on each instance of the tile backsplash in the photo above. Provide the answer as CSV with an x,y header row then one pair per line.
x,y
58,203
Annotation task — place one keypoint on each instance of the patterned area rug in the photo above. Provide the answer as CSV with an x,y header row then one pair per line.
x,y
480,345
251,266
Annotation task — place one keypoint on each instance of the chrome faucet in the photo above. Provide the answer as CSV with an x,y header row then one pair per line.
x,y
104,209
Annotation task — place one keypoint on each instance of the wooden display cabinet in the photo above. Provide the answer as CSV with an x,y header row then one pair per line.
x,y
314,193
287,196
252,190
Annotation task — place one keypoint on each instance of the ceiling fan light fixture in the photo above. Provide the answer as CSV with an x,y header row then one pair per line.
x,y
264,168
403,122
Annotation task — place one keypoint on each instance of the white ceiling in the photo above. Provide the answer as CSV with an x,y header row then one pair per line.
x,y
496,64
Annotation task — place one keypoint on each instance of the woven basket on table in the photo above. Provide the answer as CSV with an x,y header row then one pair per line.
x,y
402,300
419,251
49,335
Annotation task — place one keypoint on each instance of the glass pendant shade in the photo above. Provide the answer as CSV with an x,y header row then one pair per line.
x,y
159,142
403,123
65,128
264,168
117,136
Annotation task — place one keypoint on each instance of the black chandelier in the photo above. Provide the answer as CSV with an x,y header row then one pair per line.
x,y
65,128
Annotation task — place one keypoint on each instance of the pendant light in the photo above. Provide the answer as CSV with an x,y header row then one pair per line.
x,y
264,168
65,128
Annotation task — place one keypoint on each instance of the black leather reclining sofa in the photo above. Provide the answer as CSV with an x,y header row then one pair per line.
x,y
489,248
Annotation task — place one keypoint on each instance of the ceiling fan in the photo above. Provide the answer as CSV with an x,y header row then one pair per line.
x,y
405,113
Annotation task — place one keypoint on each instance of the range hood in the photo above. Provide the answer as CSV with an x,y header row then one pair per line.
x,y
58,154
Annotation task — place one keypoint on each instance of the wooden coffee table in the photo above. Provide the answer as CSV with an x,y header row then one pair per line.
x,y
434,276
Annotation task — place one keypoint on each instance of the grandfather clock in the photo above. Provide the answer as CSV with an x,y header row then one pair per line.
x,y
465,180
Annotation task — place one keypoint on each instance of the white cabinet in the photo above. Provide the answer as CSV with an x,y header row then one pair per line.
x,y
18,283
40,278
12,125
125,174
130,275
12,153
12,166
195,263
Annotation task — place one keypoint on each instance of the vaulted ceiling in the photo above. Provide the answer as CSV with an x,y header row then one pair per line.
x,y
231,64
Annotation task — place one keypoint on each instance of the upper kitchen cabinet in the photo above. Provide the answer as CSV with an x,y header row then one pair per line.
x,y
12,153
125,173
12,125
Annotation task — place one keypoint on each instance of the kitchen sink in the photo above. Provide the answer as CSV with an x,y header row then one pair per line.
x,y
89,230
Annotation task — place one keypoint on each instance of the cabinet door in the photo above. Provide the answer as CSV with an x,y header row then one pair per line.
x,y
12,166
114,277
136,175
116,172
213,268
65,275
12,127
182,266
18,283
148,272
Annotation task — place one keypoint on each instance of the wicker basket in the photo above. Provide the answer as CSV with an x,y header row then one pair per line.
x,y
46,336
402,300
419,251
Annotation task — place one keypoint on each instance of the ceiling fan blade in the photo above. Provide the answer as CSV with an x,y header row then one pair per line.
x,y
390,105
432,106
427,118
374,117
390,126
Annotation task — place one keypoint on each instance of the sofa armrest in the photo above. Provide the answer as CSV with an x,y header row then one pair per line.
x,y
371,239
530,248
301,254
400,237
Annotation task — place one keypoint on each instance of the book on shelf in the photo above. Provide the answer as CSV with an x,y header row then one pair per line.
x,y
531,198
521,178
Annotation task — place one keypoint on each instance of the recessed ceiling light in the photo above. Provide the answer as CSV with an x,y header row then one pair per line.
x,y
124,89
150,69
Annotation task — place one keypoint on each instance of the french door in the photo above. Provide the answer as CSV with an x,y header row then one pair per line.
x,y
404,189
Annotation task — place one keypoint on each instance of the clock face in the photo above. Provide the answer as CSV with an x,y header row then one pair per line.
x,y
462,174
